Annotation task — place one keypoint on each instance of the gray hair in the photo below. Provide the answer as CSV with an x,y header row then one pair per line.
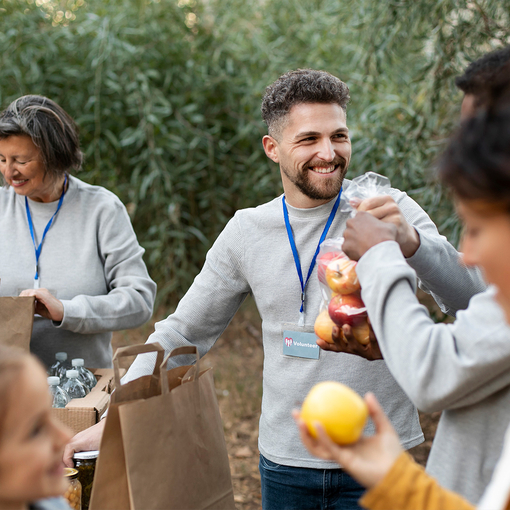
x,y
297,87
51,129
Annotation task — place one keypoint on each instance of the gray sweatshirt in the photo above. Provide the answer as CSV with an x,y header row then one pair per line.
x,y
90,260
462,369
253,255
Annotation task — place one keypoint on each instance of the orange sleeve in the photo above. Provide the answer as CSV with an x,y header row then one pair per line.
x,y
407,487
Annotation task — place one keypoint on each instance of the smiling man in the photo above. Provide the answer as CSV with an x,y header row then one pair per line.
x,y
269,252
312,165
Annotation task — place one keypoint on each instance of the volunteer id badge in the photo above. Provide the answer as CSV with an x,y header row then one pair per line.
x,y
299,342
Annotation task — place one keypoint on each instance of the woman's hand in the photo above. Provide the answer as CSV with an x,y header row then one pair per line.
x,y
369,459
46,304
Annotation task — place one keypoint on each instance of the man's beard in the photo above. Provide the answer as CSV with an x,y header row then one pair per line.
x,y
325,190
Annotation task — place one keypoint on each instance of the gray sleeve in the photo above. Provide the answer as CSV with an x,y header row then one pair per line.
x,y
437,263
131,292
439,366
208,306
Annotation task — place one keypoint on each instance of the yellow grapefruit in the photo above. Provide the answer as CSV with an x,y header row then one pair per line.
x,y
340,410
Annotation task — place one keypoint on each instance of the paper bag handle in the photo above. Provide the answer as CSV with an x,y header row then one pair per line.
x,y
133,350
185,349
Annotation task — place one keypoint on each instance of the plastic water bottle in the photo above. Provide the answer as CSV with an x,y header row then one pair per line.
x,y
84,375
74,387
60,366
60,397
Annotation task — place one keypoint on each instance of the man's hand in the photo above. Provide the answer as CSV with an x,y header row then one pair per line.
x,y
85,441
384,208
365,231
46,304
369,459
345,342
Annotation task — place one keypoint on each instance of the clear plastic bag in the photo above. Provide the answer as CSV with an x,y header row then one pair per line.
x,y
364,186
341,296
341,292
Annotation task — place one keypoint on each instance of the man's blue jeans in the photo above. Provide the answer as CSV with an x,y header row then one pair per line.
x,y
292,488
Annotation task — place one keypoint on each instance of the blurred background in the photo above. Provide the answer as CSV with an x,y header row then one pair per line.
x,y
167,96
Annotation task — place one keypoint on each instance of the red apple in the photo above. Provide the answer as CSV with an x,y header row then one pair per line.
x,y
341,276
347,309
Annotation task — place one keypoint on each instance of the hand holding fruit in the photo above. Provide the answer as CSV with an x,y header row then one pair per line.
x,y
369,459
340,410
345,341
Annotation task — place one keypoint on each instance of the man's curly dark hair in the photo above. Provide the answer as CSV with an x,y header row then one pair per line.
x,y
297,87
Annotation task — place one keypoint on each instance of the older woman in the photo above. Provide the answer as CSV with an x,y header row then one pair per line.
x,y
69,244
476,167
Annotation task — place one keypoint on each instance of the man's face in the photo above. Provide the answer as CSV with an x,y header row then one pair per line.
x,y
314,151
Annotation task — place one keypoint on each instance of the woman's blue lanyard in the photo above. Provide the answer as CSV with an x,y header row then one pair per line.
x,y
296,255
31,225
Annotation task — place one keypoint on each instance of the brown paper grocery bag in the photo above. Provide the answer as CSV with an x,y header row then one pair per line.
x,y
163,446
16,320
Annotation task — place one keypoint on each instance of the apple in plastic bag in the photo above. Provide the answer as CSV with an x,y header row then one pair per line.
x,y
361,333
324,327
341,276
322,263
347,309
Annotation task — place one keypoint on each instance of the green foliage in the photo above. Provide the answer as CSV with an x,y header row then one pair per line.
x,y
167,96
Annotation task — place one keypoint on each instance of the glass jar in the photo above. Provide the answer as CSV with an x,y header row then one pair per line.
x,y
73,492
85,463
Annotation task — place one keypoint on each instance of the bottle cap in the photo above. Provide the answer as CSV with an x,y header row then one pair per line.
x,y
93,454
77,362
61,356
53,380
71,374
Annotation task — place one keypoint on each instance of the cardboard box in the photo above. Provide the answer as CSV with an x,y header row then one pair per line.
x,y
82,413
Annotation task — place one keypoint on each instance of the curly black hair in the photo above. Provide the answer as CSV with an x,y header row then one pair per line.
x,y
476,164
482,72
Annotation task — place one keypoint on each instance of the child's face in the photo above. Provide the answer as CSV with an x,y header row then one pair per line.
x,y
486,243
31,442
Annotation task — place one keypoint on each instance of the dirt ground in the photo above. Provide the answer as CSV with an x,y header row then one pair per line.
x,y
237,360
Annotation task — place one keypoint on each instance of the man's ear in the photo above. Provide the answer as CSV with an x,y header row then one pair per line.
x,y
271,148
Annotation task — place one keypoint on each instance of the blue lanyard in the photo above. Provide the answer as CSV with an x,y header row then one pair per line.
x,y
295,252
38,249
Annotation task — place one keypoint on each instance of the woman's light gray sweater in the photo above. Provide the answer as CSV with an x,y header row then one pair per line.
x,y
90,260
